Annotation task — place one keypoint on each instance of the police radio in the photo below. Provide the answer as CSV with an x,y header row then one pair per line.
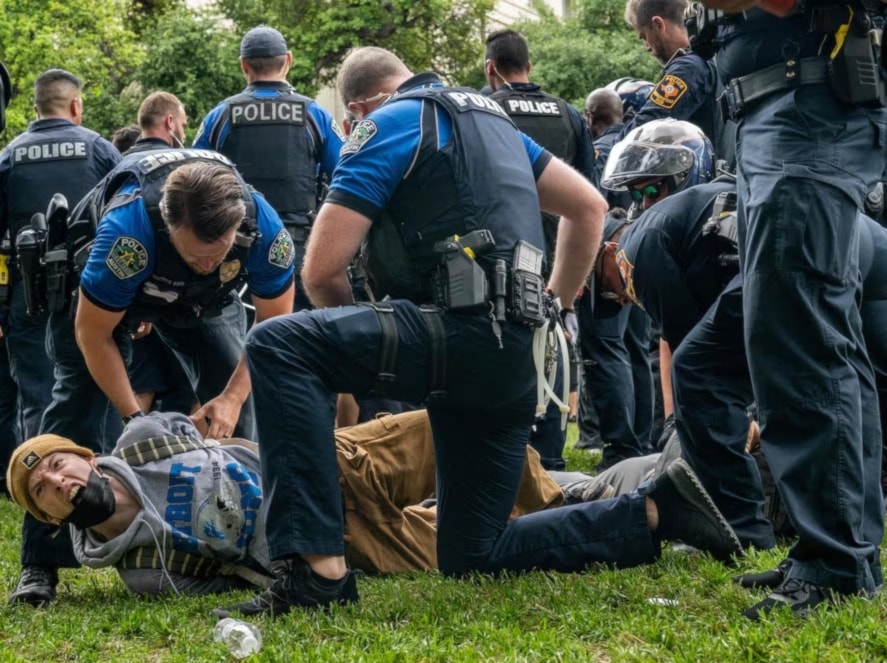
x,y
42,258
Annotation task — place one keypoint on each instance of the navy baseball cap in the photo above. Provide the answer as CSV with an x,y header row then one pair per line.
x,y
262,42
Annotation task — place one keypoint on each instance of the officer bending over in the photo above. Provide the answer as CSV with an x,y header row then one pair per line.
x,y
280,140
443,162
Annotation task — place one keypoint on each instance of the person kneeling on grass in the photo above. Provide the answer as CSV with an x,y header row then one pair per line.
x,y
173,511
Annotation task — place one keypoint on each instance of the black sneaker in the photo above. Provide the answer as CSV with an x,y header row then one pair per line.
x,y
687,513
36,586
799,596
770,579
296,587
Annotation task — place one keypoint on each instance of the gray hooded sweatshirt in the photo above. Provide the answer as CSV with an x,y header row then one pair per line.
x,y
205,502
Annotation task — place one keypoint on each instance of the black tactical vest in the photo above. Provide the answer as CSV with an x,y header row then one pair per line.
x,y
174,293
481,179
47,162
544,118
269,141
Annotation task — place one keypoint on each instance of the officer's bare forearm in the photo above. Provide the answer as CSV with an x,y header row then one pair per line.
x,y
238,386
565,192
334,291
105,364
665,376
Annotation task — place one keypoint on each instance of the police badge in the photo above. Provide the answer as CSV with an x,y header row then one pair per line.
x,y
229,270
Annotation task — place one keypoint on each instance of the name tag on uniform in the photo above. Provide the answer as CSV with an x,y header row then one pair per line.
x,y
530,107
72,149
268,111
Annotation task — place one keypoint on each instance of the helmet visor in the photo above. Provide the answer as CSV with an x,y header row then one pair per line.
x,y
633,160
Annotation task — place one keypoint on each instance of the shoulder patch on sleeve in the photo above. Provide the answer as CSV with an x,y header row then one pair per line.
x,y
668,91
282,252
361,133
626,271
127,258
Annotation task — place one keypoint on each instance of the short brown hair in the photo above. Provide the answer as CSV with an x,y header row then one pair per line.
x,y
205,197
640,13
509,51
267,65
365,69
156,106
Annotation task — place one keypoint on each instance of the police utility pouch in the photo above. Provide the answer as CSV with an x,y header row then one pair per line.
x,y
459,283
527,286
854,67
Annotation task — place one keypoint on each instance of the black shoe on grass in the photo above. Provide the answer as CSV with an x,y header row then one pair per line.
x,y
688,514
770,579
36,586
296,586
799,596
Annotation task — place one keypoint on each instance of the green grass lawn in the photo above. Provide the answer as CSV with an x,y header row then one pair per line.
x,y
601,615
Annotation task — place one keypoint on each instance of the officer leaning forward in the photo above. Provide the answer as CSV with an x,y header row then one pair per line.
x,y
277,137
179,232
55,155
688,87
812,144
560,129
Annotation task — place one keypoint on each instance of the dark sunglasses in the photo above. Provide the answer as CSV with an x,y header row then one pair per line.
x,y
647,191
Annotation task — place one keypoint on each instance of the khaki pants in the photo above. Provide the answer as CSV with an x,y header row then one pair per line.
x,y
386,468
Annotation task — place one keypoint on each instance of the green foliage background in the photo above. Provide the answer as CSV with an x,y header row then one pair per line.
x,y
124,49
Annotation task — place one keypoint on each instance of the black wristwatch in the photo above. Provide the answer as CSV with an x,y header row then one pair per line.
x,y
128,418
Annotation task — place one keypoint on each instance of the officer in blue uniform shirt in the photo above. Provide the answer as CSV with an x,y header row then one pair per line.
x,y
280,140
559,128
55,155
811,146
688,85
442,162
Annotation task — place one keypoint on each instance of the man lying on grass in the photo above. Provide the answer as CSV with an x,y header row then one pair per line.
x,y
172,511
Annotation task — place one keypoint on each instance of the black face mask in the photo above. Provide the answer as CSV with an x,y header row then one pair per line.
x,y
94,504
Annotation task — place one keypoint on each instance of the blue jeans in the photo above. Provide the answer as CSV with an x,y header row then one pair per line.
x,y
712,392
29,364
805,162
299,362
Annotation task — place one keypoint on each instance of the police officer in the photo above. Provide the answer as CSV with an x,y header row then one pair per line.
x,y
154,372
679,260
810,147
688,87
278,138
412,154
55,155
559,128
675,264
604,115
179,231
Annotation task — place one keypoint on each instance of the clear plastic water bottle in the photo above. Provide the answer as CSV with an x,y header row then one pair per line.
x,y
241,638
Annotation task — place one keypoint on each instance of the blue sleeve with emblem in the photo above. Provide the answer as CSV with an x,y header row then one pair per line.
x,y
658,281
201,140
331,137
122,256
686,85
377,155
270,264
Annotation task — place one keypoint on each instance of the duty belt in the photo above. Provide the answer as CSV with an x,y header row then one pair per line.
x,y
742,93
